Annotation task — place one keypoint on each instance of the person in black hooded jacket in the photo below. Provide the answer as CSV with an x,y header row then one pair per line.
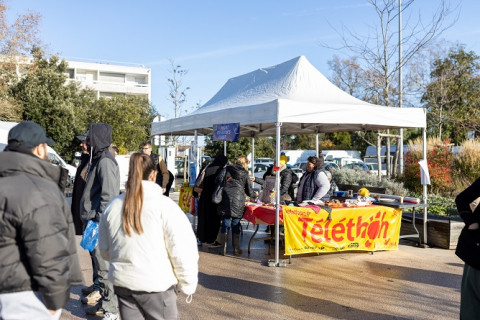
x,y
102,185
208,220
233,202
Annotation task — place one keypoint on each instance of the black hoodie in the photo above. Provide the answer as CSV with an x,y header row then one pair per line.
x,y
103,180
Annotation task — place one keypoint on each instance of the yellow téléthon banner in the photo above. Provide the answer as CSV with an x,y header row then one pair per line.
x,y
368,228
184,199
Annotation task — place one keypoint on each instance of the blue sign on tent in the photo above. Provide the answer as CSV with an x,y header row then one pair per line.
x,y
226,132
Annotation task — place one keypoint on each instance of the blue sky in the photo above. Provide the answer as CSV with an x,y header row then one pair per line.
x,y
215,40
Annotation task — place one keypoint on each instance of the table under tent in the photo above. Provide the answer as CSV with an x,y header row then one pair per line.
x,y
288,99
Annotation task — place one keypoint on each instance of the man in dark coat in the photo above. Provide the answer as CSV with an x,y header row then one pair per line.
x,y
37,241
163,175
92,293
102,185
208,219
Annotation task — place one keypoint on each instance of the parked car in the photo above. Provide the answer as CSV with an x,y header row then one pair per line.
x,y
263,160
373,169
180,166
302,165
357,166
342,161
331,165
260,169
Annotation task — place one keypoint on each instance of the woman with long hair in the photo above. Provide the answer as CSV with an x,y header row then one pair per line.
x,y
233,202
150,245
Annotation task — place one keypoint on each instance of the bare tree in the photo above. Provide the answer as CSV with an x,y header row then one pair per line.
x,y
377,51
17,40
177,94
177,91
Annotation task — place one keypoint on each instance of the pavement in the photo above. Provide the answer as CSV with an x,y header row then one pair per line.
x,y
410,283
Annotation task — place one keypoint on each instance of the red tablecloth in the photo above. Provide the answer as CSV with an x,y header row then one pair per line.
x,y
257,214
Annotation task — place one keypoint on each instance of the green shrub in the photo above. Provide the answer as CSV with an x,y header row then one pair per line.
x,y
441,206
466,165
364,179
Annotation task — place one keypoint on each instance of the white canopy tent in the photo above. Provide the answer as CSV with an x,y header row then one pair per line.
x,y
295,94
290,98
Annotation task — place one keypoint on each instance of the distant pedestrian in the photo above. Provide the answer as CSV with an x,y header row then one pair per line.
x,y
233,202
164,177
286,178
208,220
37,240
92,293
103,184
468,249
150,245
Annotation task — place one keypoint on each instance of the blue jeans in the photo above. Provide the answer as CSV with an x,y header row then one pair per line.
x,y
228,223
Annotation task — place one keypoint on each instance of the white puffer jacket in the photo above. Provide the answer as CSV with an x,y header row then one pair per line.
x,y
164,255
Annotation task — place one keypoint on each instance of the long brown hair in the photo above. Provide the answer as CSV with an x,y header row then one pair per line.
x,y
141,166
243,161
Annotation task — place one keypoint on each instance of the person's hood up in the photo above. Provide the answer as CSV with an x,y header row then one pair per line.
x,y
220,161
99,137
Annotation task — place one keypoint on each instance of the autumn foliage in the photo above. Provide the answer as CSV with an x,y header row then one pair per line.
x,y
440,163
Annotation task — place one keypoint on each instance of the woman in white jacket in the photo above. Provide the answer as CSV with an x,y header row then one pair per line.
x,y
150,245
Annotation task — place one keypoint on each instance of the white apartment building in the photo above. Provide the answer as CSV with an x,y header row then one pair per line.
x,y
109,79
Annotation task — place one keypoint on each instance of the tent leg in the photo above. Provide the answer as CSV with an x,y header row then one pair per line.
x,y
276,262
252,164
425,188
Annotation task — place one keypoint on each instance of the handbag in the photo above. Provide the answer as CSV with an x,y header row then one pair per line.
x,y
198,186
468,247
90,236
220,182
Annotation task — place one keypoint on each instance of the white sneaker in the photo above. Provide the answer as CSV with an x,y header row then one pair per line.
x,y
110,316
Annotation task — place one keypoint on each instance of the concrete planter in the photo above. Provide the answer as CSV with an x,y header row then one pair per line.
x,y
441,232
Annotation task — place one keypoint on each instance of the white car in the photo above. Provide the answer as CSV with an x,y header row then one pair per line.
x,y
56,160
261,168
341,161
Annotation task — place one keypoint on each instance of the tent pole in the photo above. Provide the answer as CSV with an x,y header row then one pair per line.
x,y
400,84
225,148
196,157
425,188
277,196
252,164
197,170
316,145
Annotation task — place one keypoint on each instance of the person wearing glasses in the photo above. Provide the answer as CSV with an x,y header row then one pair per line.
x,y
163,174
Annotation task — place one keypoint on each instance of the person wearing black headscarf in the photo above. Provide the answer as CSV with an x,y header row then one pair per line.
x,y
208,219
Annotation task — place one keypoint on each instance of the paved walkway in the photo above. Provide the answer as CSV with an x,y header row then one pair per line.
x,y
411,283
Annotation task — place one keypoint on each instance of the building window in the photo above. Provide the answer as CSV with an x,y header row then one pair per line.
x,y
86,75
69,73
112,77
136,79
